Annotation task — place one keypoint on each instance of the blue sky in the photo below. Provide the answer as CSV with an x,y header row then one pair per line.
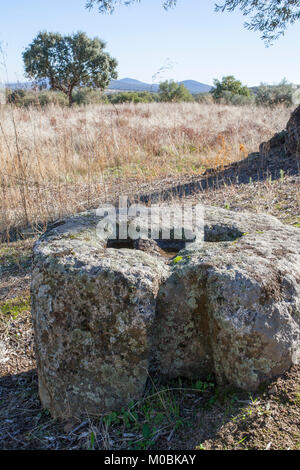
x,y
192,39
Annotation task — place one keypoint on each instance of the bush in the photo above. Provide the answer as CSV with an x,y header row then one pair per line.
x,y
15,97
81,97
205,98
132,97
52,97
236,100
170,91
86,96
27,98
227,88
272,95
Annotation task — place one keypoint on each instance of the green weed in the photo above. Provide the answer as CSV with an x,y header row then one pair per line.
x,y
177,259
15,307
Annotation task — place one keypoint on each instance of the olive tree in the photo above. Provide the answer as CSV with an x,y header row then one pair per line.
x,y
270,17
69,62
109,5
170,91
230,85
272,95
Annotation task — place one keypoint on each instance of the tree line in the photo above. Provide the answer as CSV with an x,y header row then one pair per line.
x,y
227,91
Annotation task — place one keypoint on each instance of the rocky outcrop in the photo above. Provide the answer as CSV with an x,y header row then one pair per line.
x,y
293,134
286,142
106,317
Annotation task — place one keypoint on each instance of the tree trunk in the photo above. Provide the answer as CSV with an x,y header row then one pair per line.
x,y
70,96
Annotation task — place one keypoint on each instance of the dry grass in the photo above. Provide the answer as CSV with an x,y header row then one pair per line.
x,y
56,161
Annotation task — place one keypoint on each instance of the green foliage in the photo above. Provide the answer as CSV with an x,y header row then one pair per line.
x,y
170,91
69,62
264,95
47,97
13,258
228,88
160,409
282,175
146,431
86,96
270,17
272,95
15,97
205,98
142,420
81,97
200,447
177,259
27,98
15,307
92,441
236,100
132,97
203,386
108,6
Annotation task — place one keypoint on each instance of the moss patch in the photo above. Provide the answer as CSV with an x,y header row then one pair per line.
x,y
177,259
14,307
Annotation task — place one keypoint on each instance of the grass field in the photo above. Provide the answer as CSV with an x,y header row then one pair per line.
x,y
56,161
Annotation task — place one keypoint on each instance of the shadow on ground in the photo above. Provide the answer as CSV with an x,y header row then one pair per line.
x,y
211,417
25,425
254,168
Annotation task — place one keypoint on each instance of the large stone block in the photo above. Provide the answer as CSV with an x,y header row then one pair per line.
x,y
105,318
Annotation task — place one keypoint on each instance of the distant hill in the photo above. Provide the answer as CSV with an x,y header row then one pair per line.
x,y
130,84
19,85
196,87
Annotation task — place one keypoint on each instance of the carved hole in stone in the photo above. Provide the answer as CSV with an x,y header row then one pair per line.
x,y
169,248
158,247
221,233
120,244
